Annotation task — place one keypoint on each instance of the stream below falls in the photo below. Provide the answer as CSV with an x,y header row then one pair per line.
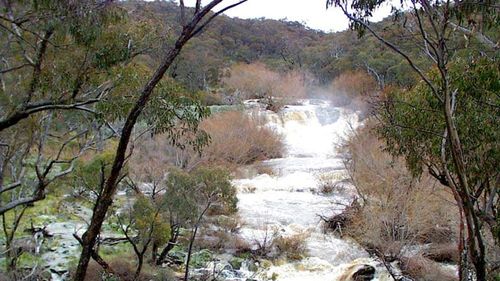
x,y
287,199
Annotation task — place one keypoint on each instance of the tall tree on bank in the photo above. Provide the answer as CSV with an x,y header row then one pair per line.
x,y
59,61
197,22
435,26
52,53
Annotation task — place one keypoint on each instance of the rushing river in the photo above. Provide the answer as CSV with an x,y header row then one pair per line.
x,y
287,200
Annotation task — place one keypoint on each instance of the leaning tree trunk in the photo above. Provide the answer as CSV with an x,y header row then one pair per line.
x,y
170,245
140,262
106,199
474,239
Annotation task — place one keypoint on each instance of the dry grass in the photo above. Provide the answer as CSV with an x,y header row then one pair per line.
x,y
423,269
293,247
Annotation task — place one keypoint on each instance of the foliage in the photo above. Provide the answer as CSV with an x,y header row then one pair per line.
x,y
190,196
413,122
258,81
90,172
356,84
148,220
282,46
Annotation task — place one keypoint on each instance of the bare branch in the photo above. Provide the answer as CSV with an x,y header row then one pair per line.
x,y
483,39
198,5
201,27
183,12
37,70
14,68
397,50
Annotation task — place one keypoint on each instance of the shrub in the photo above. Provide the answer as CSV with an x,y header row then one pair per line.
x,y
256,80
442,253
123,271
239,139
423,269
397,210
293,247
329,182
354,84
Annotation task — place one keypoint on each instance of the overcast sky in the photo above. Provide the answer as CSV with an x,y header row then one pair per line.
x,y
312,13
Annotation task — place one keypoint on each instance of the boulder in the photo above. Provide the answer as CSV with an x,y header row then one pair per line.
x,y
364,273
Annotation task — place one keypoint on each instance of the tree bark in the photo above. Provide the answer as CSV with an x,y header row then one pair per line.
x,y
170,245
140,261
190,250
193,237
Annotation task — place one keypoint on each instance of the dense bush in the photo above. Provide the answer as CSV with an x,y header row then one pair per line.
x,y
238,139
397,210
256,80
354,84
293,247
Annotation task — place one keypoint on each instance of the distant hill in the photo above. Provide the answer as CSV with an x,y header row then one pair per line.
x,y
282,45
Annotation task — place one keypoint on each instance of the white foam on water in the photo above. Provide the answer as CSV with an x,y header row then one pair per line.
x,y
287,201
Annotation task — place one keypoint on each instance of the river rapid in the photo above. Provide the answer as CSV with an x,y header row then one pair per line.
x,y
287,200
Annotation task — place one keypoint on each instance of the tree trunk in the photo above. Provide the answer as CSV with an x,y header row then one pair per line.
x,y
193,237
106,198
154,253
140,261
474,236
190,249
170,245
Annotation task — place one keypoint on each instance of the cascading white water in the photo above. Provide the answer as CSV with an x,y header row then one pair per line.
x,y
288,201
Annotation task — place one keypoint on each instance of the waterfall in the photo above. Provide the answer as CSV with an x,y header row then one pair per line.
x,y
287,200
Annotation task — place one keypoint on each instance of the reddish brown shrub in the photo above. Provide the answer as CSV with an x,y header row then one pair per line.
x,y
256,80
442,253
397,209
122,268
238,139
354,84
424,269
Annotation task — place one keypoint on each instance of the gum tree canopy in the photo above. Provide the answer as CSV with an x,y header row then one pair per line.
x,y
448,123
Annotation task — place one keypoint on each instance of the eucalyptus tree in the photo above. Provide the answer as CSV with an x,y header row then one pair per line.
x,y
438,28
189,197
143,225
200,18
59,61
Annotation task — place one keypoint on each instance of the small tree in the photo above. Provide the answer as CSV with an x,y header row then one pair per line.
x,y
411,122
143,225
191,195
58,63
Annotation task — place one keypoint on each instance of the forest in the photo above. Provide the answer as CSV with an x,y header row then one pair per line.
x,y
156,140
